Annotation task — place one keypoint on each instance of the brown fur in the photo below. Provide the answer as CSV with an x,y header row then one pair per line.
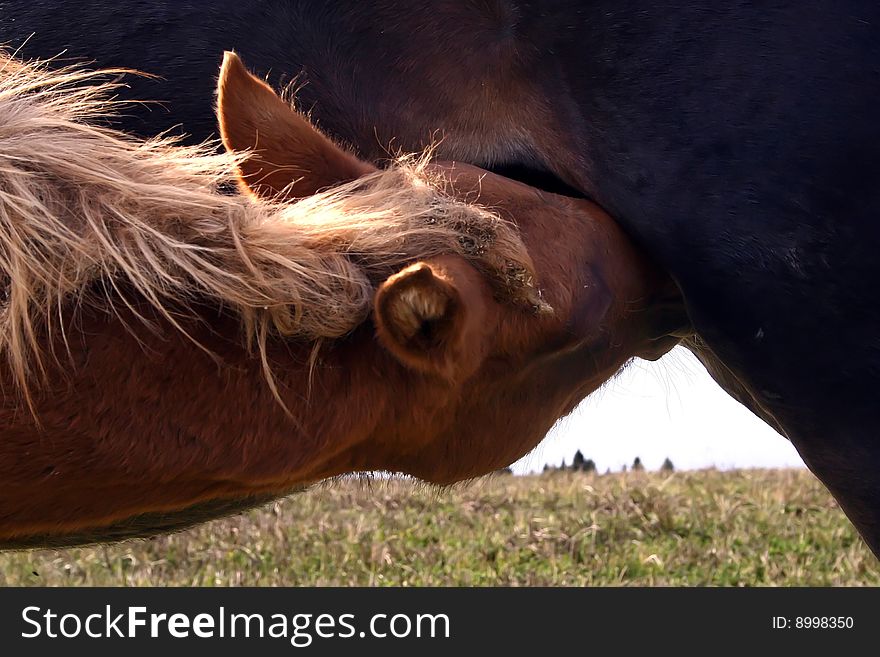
x,y
139,422
83,208
270,133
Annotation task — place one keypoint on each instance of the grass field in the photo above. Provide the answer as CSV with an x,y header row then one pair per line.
x,y
689,528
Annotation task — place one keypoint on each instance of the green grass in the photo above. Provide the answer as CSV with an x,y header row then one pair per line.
x,y
690,528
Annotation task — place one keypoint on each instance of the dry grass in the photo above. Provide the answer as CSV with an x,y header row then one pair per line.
x,y
691,528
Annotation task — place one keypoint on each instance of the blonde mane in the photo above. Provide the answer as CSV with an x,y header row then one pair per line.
x,y
89,215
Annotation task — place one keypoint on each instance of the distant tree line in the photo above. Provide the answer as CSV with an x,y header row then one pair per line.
x,y
581,464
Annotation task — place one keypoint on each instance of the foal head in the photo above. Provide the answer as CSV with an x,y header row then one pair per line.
x,y
507,371
428,318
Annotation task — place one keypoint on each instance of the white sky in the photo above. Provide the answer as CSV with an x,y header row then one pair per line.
x,y
672,408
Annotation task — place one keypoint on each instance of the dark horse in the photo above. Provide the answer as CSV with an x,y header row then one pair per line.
x,y
737,142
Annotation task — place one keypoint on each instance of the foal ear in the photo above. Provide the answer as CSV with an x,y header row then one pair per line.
x,y
289,157
436,317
